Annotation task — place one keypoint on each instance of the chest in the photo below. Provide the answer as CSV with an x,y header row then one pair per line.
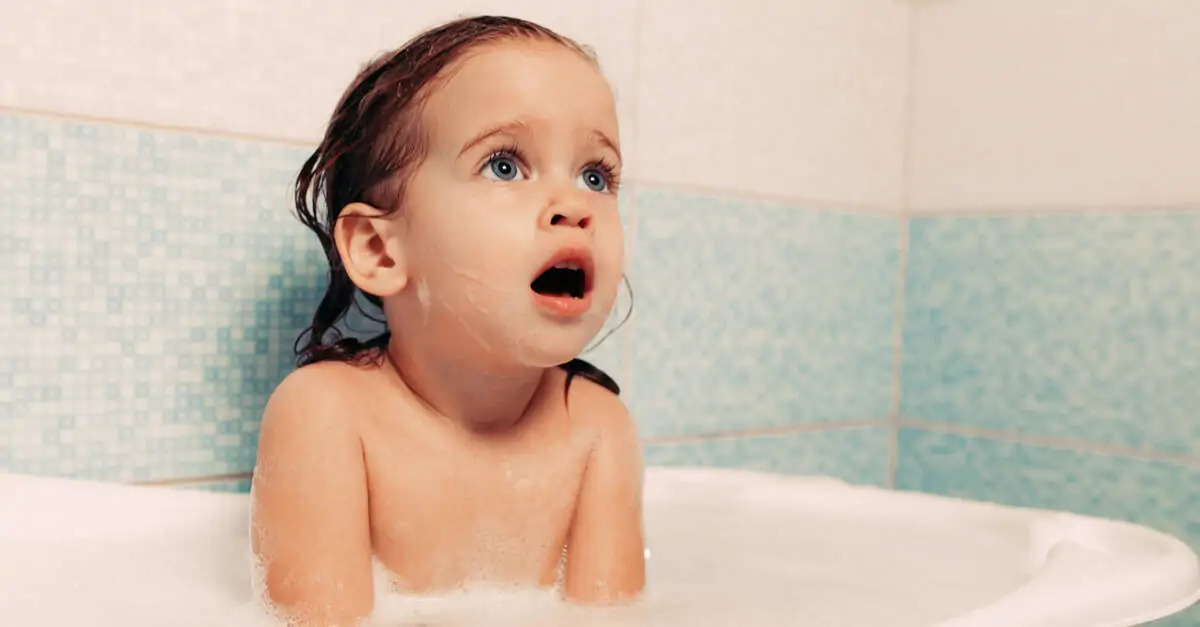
x,y
444,505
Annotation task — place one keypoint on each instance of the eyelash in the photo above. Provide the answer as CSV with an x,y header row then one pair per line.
x,y
612,178
610,174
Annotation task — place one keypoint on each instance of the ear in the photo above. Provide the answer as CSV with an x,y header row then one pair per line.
x,y
370,247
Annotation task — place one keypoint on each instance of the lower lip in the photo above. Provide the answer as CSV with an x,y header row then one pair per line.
x,y
564,305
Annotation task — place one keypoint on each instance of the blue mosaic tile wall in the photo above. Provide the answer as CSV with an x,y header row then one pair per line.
x,y
1082,331
153,285
155,282
1082,326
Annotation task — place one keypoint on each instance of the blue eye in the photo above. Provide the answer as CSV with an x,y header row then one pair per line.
x,y
503,167
595,179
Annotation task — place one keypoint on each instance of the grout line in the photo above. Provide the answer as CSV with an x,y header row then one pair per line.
x,y
909,115
636,96
626,341
629,338
1071,444
1013,211
812,427
238,476
898,350
157,126
907,149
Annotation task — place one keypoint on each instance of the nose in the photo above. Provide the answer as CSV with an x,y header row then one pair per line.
x,y
567,212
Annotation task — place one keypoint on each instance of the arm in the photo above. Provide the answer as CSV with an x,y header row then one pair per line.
x,y
605,545
310,527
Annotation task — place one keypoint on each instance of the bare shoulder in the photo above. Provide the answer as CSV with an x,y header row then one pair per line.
x,y
311,525
313,407
599,408
326,382
299,385
325,397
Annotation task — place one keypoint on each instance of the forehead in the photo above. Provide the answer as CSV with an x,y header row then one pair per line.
x,y
516,79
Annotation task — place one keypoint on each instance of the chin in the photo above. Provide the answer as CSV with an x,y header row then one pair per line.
x,y
549,355
553,347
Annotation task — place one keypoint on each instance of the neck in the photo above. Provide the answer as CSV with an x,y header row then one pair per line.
x,y
479,399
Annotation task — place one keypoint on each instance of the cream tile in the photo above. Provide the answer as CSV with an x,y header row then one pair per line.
x,y
263,67
801,99
1033,103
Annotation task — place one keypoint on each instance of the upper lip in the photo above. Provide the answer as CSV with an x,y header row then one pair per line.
x,y
578,255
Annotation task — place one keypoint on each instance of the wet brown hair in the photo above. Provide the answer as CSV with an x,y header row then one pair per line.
x,y
372,146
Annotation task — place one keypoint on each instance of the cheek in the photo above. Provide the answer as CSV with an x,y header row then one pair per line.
x,y
463,257
465,249
610,252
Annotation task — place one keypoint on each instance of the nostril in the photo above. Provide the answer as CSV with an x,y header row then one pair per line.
x,y
559,218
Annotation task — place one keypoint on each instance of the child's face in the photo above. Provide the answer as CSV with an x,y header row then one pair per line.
x,y
521,137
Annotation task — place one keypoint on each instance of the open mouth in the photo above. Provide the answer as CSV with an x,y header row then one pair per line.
x,y
567,276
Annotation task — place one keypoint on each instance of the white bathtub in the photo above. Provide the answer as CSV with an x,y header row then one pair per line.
x,y
727,548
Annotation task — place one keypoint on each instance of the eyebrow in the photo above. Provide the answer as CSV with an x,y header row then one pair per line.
x,y
508,128
603,140
517,126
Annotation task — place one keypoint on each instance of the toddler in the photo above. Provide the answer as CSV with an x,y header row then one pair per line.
x,y
467,187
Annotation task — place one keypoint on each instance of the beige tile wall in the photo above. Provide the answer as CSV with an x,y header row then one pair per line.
x,y
797,99
266,68
1055,103
802,100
